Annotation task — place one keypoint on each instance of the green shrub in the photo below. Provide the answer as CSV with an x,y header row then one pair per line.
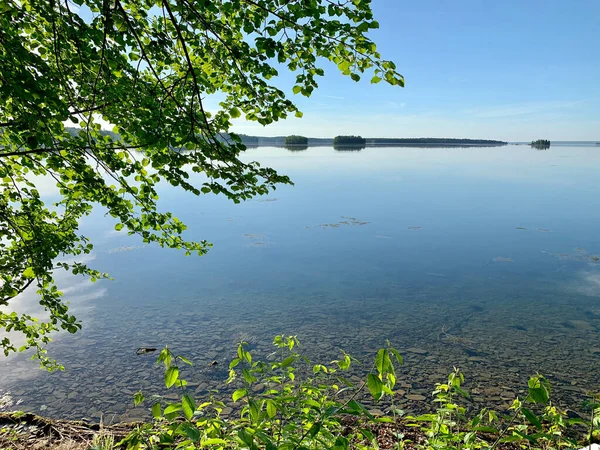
x,y
292,404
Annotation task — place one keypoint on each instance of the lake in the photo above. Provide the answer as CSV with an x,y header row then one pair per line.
x,y
479,258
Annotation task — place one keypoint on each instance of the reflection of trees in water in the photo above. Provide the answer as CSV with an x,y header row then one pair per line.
x,y
296,147
349,147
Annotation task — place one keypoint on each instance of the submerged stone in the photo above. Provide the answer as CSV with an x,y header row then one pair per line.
x,y
418,351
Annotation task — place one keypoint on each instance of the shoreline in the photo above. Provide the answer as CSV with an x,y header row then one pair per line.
x,y
28,431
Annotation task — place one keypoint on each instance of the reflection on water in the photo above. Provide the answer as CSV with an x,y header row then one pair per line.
x,y
296,147
349,147
484,259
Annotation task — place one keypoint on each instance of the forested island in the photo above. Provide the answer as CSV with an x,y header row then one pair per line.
x,y
349,140
540,144
295,140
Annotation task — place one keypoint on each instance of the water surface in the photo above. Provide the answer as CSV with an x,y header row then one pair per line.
x,y
480,258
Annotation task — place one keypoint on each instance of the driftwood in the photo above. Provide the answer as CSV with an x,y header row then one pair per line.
x,y
144,350
30,431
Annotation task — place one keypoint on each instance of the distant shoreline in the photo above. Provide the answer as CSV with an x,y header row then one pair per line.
x,y
370,145
279,141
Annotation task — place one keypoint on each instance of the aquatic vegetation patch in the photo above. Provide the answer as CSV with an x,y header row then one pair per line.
x,y
346,221
258,241
580,255
502,259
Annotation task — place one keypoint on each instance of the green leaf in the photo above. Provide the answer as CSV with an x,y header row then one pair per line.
x,y
248,378
191,432
539,389
185,360
396,355
533,419
166,439
383,362
287,361
173,407
314,429
344,65
379,361
189,406
462,392
246,437
171,376
341,443
271,408
297,89
156,410
29,273
345,363
238,394
165,357
138,398
119,226
375,386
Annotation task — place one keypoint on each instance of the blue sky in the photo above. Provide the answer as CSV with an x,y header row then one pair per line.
x,y
511,69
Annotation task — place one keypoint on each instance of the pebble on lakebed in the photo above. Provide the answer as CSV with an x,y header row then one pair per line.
x,y
502,259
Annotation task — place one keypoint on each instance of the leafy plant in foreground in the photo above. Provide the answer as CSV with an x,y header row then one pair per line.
x,y
290,403
450,426
277,407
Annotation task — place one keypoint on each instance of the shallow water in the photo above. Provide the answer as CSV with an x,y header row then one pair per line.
x,y
480,258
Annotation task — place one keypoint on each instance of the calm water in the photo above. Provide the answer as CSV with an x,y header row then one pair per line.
x,y
479,258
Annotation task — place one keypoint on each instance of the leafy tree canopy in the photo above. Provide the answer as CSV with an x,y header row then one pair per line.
x,y
146,67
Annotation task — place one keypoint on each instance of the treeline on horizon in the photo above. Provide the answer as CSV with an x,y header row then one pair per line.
x,y
423,141
281,141
358,140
